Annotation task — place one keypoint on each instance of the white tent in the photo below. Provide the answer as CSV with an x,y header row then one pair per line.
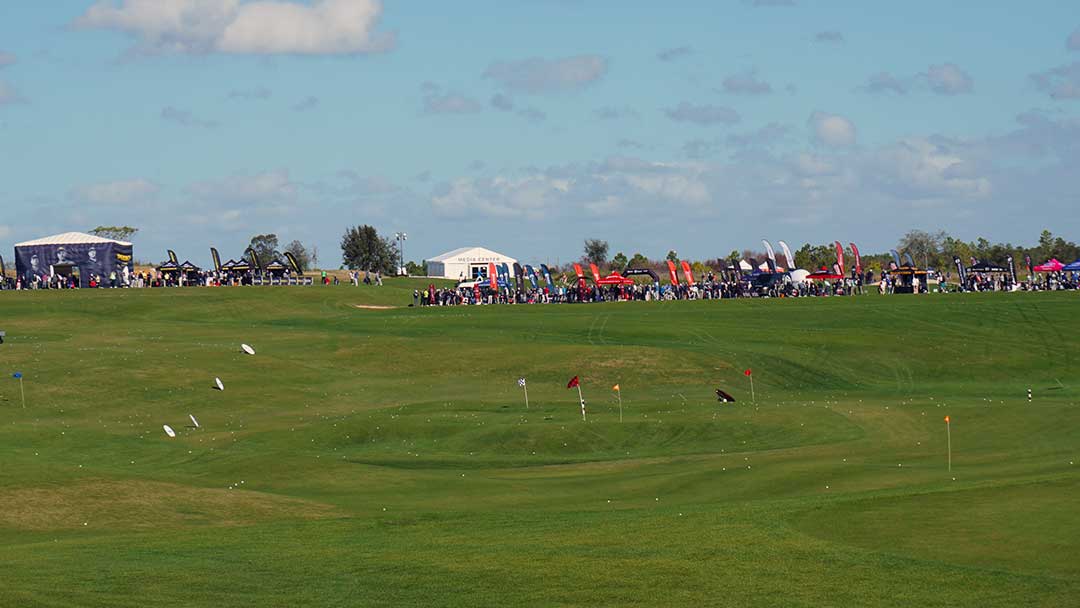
x,y
466,263
71,238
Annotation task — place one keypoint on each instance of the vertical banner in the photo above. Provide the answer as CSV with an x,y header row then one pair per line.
x,y
672,273
519,277
172,256
3,270
787,256
547,277
1030,267
960,271
1012,269
577,270
216,258
840,257
687,272
531,273
595,272
896,260
292,262
771,255
910,262
504,275
493,276
255,265
858,259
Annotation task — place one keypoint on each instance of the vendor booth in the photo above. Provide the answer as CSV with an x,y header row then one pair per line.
x,y
72,254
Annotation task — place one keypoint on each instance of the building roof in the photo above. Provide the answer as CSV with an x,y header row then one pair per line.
x,y
70,238
470,252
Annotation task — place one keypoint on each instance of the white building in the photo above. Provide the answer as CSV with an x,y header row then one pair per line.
x,y
466,263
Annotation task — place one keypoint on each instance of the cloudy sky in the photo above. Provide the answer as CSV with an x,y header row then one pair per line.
x,y
530,125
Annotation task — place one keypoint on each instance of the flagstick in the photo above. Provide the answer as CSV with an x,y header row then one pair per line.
x,y
619,393
582,400
753,397
948,435
526,387
22,392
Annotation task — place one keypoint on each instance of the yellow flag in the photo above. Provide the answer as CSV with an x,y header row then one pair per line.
x,y
615,388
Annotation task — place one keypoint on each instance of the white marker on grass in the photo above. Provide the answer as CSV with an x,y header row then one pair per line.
x,y
193,420
247,349
168,430
220,386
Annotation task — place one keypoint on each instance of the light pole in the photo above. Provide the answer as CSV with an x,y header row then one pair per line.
x,y
401,238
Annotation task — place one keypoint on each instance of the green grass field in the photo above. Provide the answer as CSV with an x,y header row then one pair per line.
x,y
386,458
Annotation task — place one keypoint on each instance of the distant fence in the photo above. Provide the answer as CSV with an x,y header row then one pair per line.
x,y
283,281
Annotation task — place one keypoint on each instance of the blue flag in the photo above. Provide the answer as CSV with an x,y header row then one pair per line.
x,y
17,375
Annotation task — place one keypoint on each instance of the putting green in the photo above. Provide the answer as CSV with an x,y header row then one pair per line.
x,y
385,456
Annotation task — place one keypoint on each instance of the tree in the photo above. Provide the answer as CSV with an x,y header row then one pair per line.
x,y
265,247
596,251
926,248
363,249
638,261
116,233
416,270
813,257
672,255
619,261
305,258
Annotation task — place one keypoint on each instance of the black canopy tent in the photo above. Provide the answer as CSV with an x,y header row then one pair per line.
x,y
904,279
276,268
169,267
190,271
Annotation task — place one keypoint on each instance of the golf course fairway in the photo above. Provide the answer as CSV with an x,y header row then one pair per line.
x,y
385,457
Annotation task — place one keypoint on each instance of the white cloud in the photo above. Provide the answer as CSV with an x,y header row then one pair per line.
x,y
948,79
943,79
8,94
674,54
121,192
706,114
308,103
746,83
1062,82
267,188
438,101
321,27
185,118
540,76
598,188
831,129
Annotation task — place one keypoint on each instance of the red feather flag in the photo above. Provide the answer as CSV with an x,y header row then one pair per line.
x,y
573,382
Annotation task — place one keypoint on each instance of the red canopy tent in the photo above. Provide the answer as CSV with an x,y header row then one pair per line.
x,y
824,275
615,279
1051,266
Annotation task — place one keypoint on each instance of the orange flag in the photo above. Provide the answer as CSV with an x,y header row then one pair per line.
x,y
615,388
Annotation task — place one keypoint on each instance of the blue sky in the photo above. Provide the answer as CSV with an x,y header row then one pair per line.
x,y
527,126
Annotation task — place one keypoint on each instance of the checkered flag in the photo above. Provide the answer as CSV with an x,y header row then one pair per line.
x,y
521,382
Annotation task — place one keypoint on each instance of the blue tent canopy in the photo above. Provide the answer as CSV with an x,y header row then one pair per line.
x,y
1074,267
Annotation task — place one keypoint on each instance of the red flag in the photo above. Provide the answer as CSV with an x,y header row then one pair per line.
x,y
839,256
595,272
578,272
573,382
748,372
492,276
687,272
858,258
671,271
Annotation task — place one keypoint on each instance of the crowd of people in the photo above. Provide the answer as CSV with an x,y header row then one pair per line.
x,y
726,286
